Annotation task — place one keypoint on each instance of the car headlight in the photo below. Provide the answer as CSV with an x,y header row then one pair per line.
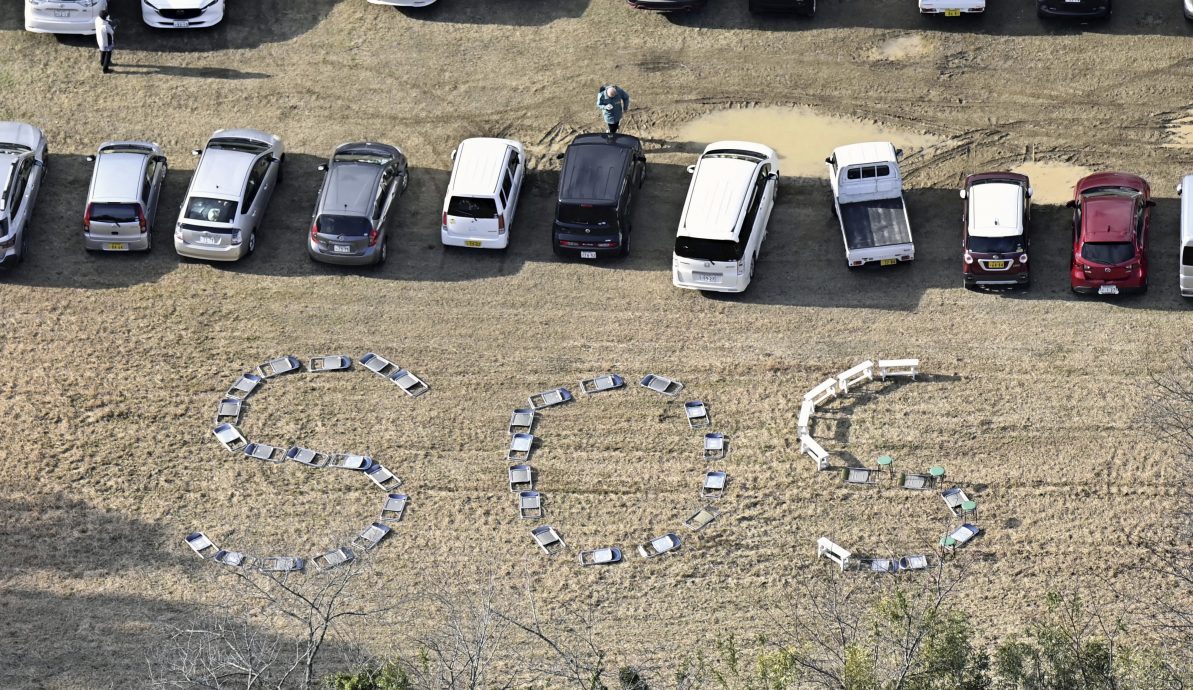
x,y
88,3
8,243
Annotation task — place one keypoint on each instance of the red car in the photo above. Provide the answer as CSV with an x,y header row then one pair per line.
x,y
1110,218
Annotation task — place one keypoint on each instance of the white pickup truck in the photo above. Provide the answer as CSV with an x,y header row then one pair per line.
x,y
952,8
868,198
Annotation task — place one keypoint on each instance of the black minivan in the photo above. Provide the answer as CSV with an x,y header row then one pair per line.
x,y
596,195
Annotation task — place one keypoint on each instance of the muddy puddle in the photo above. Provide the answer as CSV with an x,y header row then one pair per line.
x,y
1180,133
802,137
1052,183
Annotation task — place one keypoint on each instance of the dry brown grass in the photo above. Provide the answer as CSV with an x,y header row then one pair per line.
x,y
113,364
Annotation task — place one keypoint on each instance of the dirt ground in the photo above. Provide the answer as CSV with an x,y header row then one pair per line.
x,y
114,363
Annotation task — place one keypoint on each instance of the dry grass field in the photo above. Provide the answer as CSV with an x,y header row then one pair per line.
x,y
113,364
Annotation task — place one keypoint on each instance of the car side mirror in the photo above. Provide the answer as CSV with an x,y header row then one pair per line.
x,y
829,160
963,195
772,176
1150,203
1071,204
1179,189
560,156
691,169
90,159
39,163
322,167
1029,192
898,154
195,152
453,154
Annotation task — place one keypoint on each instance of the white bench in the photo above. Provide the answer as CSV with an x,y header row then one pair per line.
x,y
812,449
827,549
822,393
898,367
805,416
854,376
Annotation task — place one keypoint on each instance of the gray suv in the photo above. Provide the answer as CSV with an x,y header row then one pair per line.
x,y
360,184
126,184
230,190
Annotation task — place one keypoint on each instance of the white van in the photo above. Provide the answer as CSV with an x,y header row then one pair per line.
x,y
482,194
63,16
724,217
1186,235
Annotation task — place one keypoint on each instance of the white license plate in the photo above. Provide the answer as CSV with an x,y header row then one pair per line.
x,y
702,277
341,249
61,13
1108,290
182,24
587,255
208,240
116,246
472,243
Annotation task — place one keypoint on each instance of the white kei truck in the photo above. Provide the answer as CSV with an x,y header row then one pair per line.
x,y
868,200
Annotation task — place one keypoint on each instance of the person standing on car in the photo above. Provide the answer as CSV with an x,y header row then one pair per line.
x,y
105,37
612,102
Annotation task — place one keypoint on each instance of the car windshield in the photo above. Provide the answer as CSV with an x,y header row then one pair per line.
x,y
114,213
344,226
13,148
996,245
472,207
1111,191
707,250
360,157
211,210
737,154
1109,253
237,144
587,214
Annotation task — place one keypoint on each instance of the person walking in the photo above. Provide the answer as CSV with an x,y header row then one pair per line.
x,y
612,102
105,37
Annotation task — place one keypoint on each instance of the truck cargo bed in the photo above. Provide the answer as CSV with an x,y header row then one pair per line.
x,y
875,223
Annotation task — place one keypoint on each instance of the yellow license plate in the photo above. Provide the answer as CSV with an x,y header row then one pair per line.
x,y
952,13
116,246
472,243
996,264
887,262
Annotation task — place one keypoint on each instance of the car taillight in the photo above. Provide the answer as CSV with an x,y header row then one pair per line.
x,y
568,243
968,258
905,257
606,245
1023,258
444,222
741,268
87,219
501,224
178,233
373,235
236,238
141,220
314,230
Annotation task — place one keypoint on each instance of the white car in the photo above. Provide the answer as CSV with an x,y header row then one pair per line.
x,y
482,194
952,8
63,16
182,14
724,217
403,3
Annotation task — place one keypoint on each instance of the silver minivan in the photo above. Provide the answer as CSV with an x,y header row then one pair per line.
x,y
229,192
126,184
1186,235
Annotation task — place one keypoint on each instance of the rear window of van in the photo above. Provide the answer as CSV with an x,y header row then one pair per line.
x,y
471,207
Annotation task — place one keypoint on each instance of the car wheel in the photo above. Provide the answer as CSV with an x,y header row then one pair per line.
x,y
625,243
252,240
810,11
281,166
381,255
405,180
24,245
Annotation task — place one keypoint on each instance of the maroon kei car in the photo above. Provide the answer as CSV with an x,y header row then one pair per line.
x,y
1110,226
994,234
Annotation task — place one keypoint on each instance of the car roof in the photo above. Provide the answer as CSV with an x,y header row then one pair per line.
x,y
594,168
1108,218
118,176
222,173
719,190
865,152
351,188
996,209
20,133
478,165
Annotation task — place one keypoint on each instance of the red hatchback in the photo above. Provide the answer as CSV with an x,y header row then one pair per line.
x,y
1110,218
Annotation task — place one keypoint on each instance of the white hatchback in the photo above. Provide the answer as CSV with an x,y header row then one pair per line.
x,y
182,14
482,194
63,16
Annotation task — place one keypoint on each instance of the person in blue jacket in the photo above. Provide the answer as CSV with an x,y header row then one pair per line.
x,y
612,102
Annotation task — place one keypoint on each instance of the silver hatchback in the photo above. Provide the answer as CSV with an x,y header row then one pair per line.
x,y
23,154
126,184
229,192
351,215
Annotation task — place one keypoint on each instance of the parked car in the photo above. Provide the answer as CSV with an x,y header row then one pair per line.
x,y
1111,212
667,5
182,14
237,172
351,218
952,8
23,152
724,216
482,194
596,195
803,8
63,16
867,190
1077,9
1186,235
1187,6
994,229
126,185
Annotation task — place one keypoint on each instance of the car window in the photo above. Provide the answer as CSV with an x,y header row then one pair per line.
x,y
379,200
150,171
706,250
20,180
506,185
345,226
472,207
587,214
210,210
1108,253
256,176
513,164
853,174
1187,256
